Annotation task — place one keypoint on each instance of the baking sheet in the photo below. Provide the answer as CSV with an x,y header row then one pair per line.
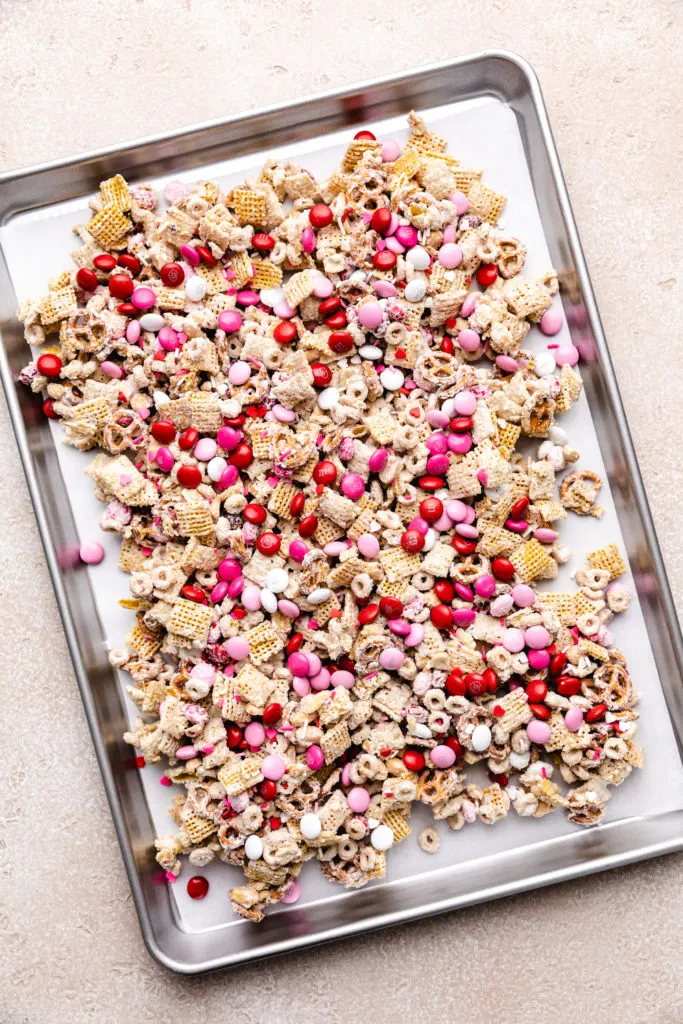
x,y
482,133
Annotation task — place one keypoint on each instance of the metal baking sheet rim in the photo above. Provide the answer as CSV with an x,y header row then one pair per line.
x,y
606,846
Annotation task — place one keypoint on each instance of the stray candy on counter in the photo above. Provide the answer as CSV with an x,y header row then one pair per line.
x,y
306,399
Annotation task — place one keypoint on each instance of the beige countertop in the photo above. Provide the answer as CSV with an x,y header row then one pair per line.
x,y
77,75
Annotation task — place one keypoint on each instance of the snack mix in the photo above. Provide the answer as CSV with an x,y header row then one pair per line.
x,y
308,423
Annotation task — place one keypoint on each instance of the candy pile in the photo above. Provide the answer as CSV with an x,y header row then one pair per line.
x,y
308,414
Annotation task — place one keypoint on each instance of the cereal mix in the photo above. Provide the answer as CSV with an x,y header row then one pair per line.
x,y
306,401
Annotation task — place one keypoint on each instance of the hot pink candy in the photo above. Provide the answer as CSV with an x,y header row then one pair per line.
x,y
228,438
308,240
463,616
190,255
538,660
143,297
353,486
164,459
168,339
437,464
315,757
378,460
220,591
298,550
228,477
229,569
298,664
460,443
229,320
485,586
407,235
437,444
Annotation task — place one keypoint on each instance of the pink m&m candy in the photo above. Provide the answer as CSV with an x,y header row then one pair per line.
x,y
358,800
91,552
143,297
273,767
469,340
551,322
391,658
449,255
391,151
370,314
298,664
538,732
465,403
442,756
229,320
368,545
254,734
342,678
315,757
237,647
353,486
239,372
537,637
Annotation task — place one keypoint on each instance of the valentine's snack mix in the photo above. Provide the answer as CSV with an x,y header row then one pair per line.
x,y
308,400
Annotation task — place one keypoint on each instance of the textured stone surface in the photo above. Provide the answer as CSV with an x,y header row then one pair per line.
x,y
75,76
